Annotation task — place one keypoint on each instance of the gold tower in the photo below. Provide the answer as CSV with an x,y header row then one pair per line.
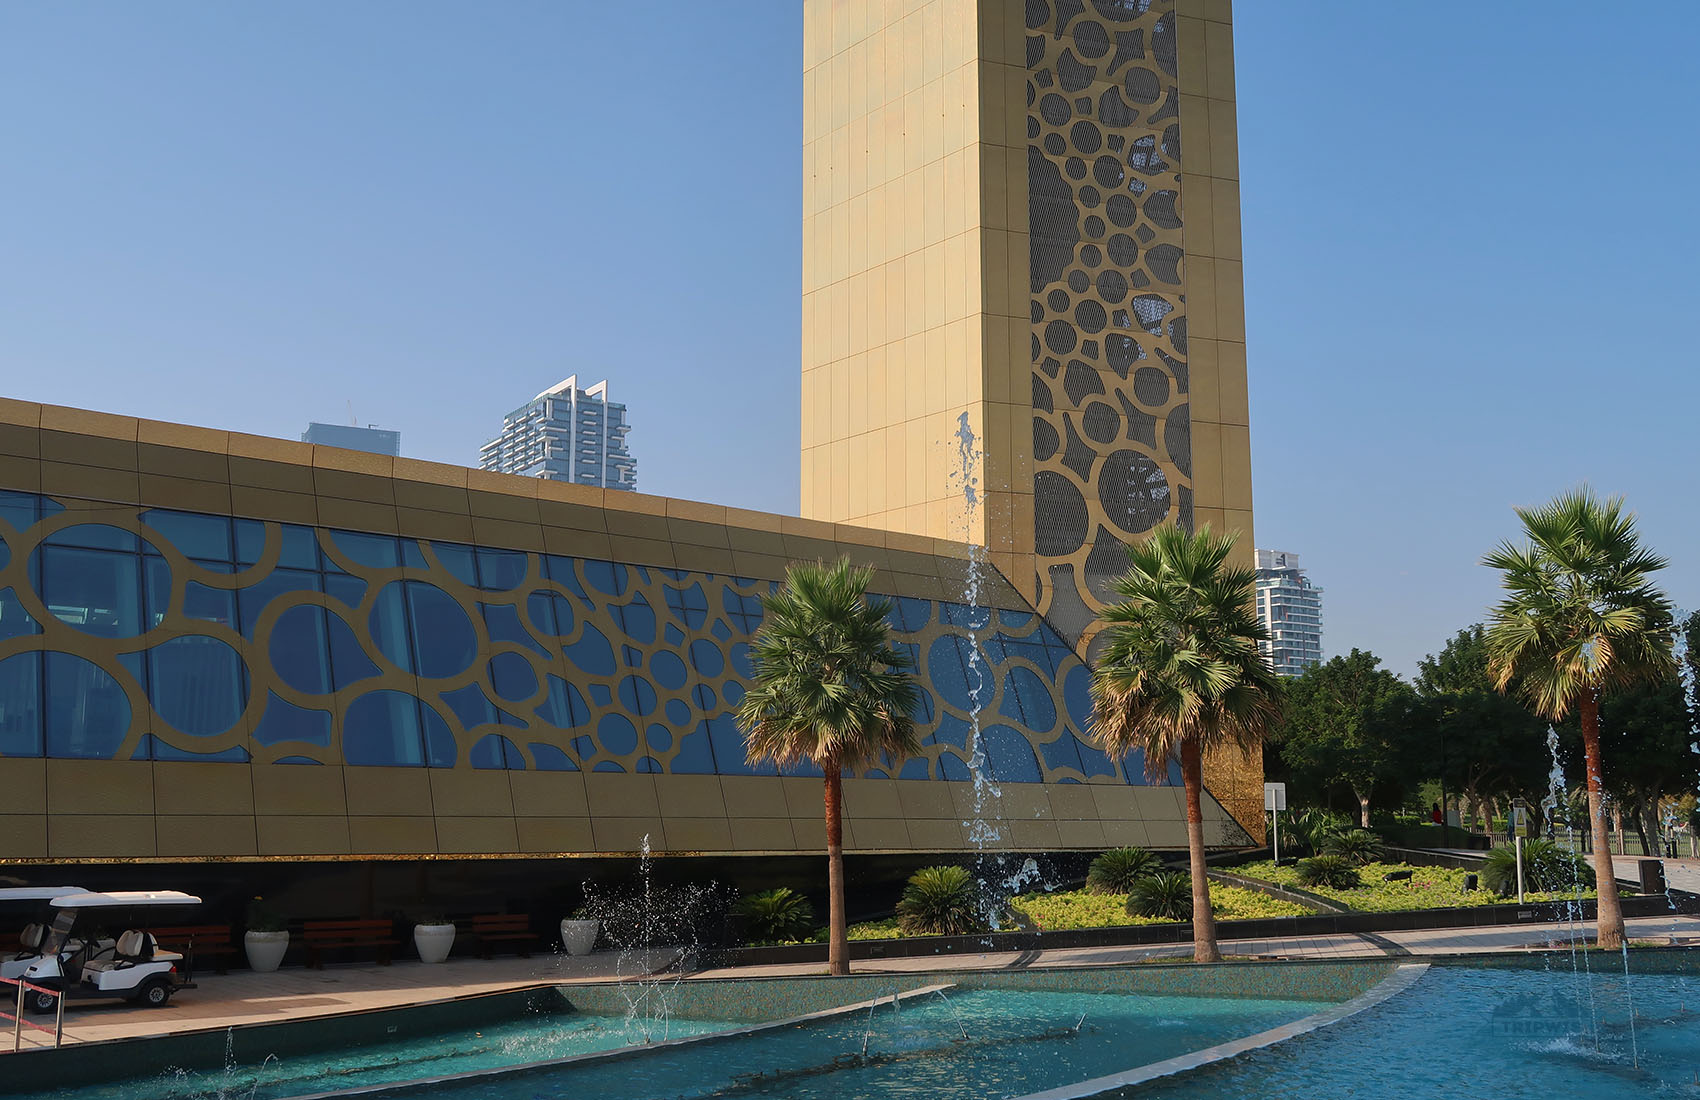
x,y
1026,212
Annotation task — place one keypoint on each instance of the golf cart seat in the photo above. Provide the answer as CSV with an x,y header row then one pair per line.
x,y
134,946
30,939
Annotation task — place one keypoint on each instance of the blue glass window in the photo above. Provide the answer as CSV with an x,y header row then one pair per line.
x,y
606,577
18,509
947,668
668,670
703,696
707,659
300,650
197,684
503,622
637,695
636,620
388,625
440,748
550,613
695,755
300,547
549,758
15,622
501,570
495,751
743,611
372,551
689,605
513,677
93,536
88,714
458,560
194,534
20,704
728,745
910,614
957,614
350,590
564,573
283,721
591,653
381,728
563,707
253,600
1064,752
474,708
5,553
1027,699
349,662
443,636
616,734
741,663
98,593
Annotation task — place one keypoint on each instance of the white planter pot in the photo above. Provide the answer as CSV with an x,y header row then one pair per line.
x,y
265,949
579,936
433,941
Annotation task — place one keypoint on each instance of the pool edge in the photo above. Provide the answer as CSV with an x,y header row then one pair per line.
x,y
621,1053
1402,978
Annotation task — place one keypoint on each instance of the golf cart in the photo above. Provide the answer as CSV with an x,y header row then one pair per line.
x,y
128,968
36,900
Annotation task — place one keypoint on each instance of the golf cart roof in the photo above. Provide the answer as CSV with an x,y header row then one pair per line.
x,y
122,898
37,893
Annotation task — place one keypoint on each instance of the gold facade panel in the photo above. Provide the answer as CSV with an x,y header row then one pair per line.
x,y
697,834
460,792
549,794
23,836
762,834
612,794
100,836
100,787
298,791
555,834
754,797
191,787
263,473
202,835
392,836
627,835
384,792
24,779
466,835
690,796
876,835
303,836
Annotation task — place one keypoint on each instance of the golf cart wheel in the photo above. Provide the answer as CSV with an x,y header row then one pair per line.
x,y
155,994
42,1003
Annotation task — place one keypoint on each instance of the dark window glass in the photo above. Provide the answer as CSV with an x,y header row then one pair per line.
x,y
669,671
93,536
372,551
197,684
411,556
637,620
194,534
495,751
637,695
98,593
444,641
591,653
689,605
503,623
300,651
381,728
606,577
350,590
349,662
88,714
501,570
513,677
284,721
18,509
388,624
564,573
458,560
15,622
707,658
252,601
744,612
550,758
472,707
440,748
728,745
550,613
162,750
616,734
20,704
563,707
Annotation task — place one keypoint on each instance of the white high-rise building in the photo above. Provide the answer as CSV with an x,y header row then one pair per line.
x,y
1291,610
379,441
566,433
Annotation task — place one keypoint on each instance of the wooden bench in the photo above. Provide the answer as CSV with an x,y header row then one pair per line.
x,y
325,935
195,940
494,928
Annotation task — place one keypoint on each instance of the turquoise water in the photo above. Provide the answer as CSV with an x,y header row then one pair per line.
x,y
505,1043
1478,1032
1017,1042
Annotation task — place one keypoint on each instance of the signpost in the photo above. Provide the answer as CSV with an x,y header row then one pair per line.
x,y
1274,801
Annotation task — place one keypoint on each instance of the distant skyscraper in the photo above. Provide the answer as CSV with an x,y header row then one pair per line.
x,y
1291,608
377,440
565,433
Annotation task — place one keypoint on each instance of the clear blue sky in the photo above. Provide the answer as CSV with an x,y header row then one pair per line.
x,y
1470,247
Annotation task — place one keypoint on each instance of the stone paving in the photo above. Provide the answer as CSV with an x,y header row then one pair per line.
x,y
244,997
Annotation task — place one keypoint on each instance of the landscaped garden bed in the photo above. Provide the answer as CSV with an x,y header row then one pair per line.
x,y
1427,887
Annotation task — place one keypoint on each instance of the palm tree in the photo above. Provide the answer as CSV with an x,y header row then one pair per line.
x,y
830,688
1580,617
1180,674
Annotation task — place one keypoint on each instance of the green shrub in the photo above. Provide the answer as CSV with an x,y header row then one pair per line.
x,y
1336,872
1118,869
1311,828
939,901
1357,846
1166,895
1547,868
780,915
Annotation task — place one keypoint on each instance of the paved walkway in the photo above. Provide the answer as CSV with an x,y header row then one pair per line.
x,y
244,997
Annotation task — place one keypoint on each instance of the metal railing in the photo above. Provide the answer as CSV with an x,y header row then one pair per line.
x,y
18,1021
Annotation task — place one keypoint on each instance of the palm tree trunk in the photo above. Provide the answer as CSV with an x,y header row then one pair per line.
x,y
1204,947
838,930
1610,935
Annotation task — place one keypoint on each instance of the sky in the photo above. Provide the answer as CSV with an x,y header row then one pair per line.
x,y
1470,250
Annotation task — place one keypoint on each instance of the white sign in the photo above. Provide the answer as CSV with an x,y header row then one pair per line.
x,y
1274,797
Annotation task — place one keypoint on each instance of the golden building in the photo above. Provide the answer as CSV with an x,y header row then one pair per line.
x,y
1022,216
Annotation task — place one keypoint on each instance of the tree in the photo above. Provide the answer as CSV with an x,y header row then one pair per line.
x,y
1180,674
829,688
1581,617
1484,744
1346,721
1645,739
